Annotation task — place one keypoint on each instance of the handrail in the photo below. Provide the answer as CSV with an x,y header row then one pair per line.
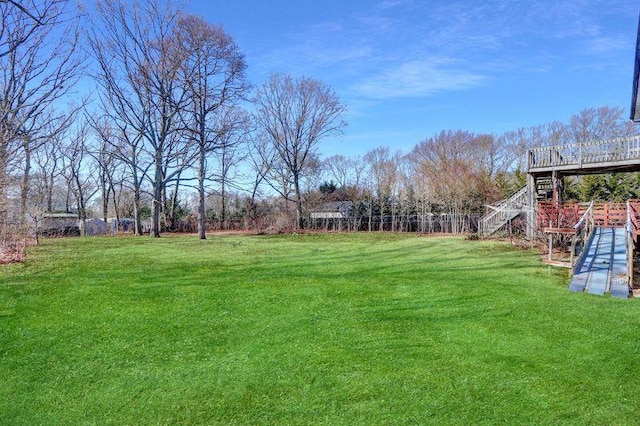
x,y
585,216
633,228
583,231
633,215
499,213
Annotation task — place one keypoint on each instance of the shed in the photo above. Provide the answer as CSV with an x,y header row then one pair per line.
x,y
332,210
57,224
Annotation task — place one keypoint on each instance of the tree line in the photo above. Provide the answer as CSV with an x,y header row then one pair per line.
x,y
171,132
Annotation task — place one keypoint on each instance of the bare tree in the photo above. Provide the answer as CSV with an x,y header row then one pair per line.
x,y
262,158
297,115
127,148
81,181
139,73
345,171
231,152
460,168
594,124
38,66
214,77
48,165
29,17
384,175
108,163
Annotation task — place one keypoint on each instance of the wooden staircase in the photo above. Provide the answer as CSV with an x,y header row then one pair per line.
x,y
502,213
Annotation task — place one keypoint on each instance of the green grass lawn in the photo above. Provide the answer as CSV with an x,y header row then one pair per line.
x,y
308,329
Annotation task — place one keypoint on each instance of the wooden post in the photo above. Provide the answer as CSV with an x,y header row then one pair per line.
x,y
573,252
580,153
556,180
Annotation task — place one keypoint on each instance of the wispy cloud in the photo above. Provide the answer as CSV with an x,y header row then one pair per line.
x,y
607,45
324,45
418,78
454,45
388,4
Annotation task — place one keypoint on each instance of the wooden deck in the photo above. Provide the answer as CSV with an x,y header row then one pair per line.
x,y
621,154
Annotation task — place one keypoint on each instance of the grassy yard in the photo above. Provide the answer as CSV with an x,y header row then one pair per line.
x,y
308,329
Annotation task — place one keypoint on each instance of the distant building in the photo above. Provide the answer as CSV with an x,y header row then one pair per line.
x,y
59,224
333,210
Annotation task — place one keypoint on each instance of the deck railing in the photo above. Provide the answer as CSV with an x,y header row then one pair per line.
x,y
633,217
563,216
585,153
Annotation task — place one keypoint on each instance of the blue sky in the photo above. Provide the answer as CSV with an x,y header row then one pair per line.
x,y
407,69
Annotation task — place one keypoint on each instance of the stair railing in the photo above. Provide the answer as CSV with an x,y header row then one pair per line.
x,y
502,212
583,231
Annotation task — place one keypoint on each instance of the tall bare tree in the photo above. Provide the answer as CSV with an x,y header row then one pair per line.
x,y
296,115
235,126
345,171
261,157
139,74
596,124
384,175
127,148
108,163
39,64
81,179
214,77
459,168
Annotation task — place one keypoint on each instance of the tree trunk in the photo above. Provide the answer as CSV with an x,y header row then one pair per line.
x,y
24,189
82,213
202,232
157,196
381,227
393,215
174,205
223,195
105,197
296,187
3,187
112,189
223,206
50,192
165,209
136,205
67,201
